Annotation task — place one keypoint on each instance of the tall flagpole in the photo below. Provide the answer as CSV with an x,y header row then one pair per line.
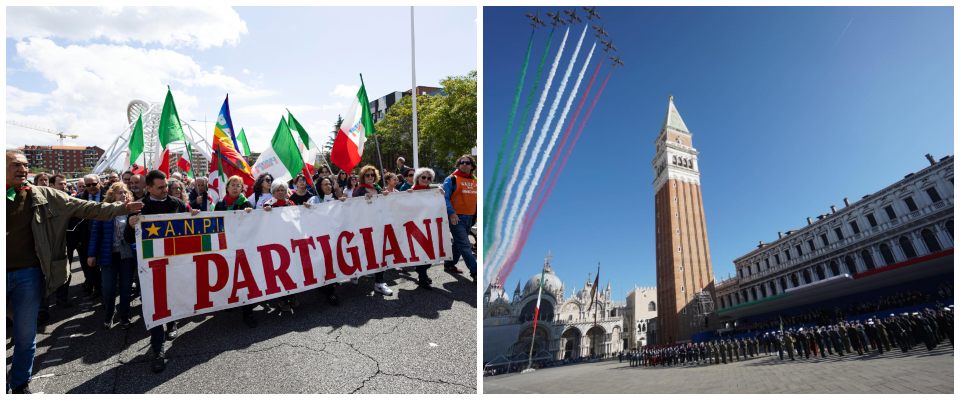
x,y
413,91
536,316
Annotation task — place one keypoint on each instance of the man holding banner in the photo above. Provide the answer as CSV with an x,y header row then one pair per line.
x,y
157,201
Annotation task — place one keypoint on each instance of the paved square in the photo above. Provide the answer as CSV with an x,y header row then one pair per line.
x,y
415,341
917,371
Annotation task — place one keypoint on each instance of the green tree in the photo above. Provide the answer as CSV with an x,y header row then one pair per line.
x,y
447,127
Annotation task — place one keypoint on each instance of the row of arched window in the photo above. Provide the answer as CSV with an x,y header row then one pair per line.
x,y
839,231
885,257
683,162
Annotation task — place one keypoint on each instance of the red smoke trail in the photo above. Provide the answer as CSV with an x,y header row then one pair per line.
x,y
525,230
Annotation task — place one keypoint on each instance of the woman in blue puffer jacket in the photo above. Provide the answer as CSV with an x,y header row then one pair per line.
x,y
115,257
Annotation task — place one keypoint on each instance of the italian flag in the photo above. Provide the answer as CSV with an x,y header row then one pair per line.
x,y
282,159
184,162
169,131
173,246
358,124
536,312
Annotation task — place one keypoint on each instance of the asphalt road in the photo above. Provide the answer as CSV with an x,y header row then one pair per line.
x,y
917,371
415,341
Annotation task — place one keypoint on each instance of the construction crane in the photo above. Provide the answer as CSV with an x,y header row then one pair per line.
x,y
60,134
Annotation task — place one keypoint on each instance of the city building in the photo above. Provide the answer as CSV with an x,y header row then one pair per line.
x,y
684,273
379,107
71,161
252,158
568,327
898,238
198,163
640,311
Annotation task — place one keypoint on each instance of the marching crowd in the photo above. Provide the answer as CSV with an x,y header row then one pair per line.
x,y
97,221
906,331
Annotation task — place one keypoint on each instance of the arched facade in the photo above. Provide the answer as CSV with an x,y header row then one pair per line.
x,y
567,327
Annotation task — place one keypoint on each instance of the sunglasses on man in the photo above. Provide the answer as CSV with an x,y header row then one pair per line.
x,y
467,162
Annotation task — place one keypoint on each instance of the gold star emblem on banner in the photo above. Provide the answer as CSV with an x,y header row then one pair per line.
x,y
153,230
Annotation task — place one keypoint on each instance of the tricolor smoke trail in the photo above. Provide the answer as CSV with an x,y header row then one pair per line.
x,y
528,223
511,222
540,197
496,193
535,176
498,231
513,115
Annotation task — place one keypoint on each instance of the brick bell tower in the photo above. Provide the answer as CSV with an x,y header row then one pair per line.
x,y
685,285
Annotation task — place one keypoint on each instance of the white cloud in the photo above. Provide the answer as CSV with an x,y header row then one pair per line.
x,y
19,100
94,83
200,27
347,91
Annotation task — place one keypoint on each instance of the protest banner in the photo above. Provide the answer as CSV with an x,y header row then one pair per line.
x,y
192,265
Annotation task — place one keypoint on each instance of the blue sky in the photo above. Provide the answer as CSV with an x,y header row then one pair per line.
x,y
792,109
62,76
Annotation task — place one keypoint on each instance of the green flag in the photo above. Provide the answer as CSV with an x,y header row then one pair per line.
x,y
136,141
170,129
243,140
285,147
295,125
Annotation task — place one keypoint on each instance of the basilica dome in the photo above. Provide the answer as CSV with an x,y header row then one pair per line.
x,y
551,283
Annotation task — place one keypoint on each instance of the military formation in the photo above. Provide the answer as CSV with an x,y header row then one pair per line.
x,y
929,328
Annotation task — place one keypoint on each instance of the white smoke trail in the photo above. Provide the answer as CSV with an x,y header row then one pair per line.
x,y
498,232
511,220
512,244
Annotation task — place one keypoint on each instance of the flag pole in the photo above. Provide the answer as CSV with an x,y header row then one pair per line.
x,y
413,90
536,316
376,139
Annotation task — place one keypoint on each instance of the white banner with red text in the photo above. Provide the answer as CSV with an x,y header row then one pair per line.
x,y
192,265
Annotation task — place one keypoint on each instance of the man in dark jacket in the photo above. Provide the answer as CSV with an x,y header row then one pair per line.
x,y
81,227
156,201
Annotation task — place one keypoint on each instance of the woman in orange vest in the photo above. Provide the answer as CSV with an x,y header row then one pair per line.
x,y
460,191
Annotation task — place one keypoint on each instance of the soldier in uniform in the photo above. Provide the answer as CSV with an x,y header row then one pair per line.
x,y
873,335
714,352
844,338
835,340
788,342
803,347
882,332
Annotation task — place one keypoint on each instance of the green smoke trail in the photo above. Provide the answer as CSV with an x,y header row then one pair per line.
x,y
513,114
497,191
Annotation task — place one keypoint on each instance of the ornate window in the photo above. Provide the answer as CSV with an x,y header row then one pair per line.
x,y
934,196
652,306
930,240
890,213
886,254
834,268
867,259
872,220
851,266
907,247
912,205
821,275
